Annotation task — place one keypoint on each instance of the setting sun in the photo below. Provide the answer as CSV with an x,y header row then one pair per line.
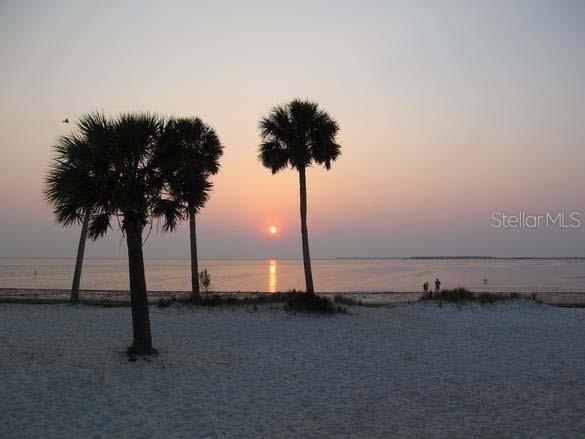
x,y
273,230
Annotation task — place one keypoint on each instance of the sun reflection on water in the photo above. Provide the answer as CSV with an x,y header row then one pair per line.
x,y
272,282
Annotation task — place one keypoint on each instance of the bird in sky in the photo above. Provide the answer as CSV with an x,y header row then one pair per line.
x,y
66,120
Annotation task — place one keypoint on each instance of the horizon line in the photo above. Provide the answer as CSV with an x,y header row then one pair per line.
x,y
439,257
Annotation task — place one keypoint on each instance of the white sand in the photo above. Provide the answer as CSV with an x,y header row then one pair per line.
x,y
510,370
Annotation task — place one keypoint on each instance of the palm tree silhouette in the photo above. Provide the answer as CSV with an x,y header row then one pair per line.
x,y
299,134
74,177
106,173
189,155
129,194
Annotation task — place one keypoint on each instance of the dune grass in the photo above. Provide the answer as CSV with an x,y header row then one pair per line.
x,y
312,303
463,295
293,301
342,299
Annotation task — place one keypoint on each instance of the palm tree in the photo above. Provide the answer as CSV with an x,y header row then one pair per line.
x,y
117,172
73,177
129,194
299,134
189,155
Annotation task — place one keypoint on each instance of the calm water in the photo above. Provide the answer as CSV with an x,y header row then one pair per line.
x,y
283,275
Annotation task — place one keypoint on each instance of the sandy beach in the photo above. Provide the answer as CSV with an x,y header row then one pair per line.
x,y
419,370
292,220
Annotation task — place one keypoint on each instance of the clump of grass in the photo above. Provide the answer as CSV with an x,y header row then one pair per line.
x,y
463,295
212,300
455,295
165,302
311,303
534,297
294,301
346,300
490,298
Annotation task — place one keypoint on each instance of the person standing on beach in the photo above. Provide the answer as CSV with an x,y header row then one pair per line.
x,y
427,293
437,285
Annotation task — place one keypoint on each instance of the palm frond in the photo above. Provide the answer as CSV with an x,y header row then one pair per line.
x,y
273,156
200,189
324,148
172,211
99,224
68,213
277,125
68,178
276,150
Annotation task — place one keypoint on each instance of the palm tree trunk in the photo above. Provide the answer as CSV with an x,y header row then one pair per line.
x,y
142,343
79,262
195,293
305,233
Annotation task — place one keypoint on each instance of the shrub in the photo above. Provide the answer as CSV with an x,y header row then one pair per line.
x,y
293,302
311,303
165,302
211,300
346,300
205,280
463,295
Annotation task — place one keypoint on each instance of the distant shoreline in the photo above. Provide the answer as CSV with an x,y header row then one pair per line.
x,y
333,258
521,258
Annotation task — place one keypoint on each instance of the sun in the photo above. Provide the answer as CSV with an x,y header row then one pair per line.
x,y
272,230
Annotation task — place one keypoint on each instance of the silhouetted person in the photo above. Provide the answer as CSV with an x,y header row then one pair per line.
x,y
428,293
437,285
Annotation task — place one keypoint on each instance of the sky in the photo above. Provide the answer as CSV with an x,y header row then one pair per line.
x,y
449,111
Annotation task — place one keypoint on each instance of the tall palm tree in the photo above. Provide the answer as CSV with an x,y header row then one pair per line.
x,y
129,188
75,174
189,155
129,193
299,134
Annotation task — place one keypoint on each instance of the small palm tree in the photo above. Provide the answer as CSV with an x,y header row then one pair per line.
x,y
299,134
74,176
189,155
